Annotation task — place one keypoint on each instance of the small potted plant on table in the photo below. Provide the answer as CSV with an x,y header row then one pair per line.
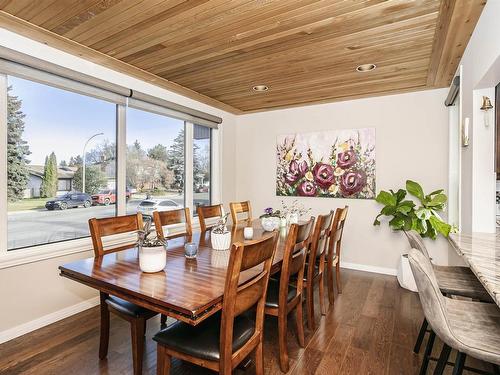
x,y
270,219
220,236
152,251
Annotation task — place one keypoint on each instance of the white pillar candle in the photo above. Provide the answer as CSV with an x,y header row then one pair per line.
x,y
248,233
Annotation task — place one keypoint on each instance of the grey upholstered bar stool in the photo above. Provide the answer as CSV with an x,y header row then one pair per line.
x,y
471,328
452,281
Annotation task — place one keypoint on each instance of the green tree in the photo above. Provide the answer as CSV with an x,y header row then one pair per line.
x,y
17,149
158,152
175,159
63,163
49,180
95,179
75,161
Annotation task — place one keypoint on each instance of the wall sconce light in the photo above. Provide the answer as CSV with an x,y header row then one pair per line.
x,y
465,132
486,107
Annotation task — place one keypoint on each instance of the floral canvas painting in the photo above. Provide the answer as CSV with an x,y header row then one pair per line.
x,y
331,164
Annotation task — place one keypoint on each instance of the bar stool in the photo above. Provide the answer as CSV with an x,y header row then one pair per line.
x,y
471,328
452,281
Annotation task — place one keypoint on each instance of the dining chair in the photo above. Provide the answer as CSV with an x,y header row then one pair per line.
x,y
225,339
452,281
208,212
315,266
333,253
282,297
471,328
134,314
171,219
239,208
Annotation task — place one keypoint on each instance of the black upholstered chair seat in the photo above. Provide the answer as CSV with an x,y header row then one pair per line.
x,y
273,289
126,307
202,341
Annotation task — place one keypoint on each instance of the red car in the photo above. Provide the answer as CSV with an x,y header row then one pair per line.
x,y
107,197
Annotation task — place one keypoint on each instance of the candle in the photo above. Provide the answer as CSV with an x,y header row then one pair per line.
x,y
248,233
190,250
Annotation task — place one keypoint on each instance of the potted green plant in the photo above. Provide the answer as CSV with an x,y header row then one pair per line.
x,y
152,250
406,214
270,219
220,236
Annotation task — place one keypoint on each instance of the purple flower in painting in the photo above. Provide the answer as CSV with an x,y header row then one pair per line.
x,y
346,159
268,210
307,189
296,171
352,182
323,175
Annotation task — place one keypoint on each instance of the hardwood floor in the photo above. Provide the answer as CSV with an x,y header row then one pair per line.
x,y
371,330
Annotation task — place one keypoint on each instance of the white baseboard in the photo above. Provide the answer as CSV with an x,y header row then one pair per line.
x,y
45,320
366,268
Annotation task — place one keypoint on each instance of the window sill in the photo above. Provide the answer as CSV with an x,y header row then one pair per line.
x,y
14,258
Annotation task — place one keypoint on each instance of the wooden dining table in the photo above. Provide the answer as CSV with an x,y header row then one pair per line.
x,y
481,252
189,290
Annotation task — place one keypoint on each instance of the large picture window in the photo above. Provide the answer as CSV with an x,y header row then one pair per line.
x,y
61,158
73,151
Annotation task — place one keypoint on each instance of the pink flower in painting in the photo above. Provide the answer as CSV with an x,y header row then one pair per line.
x,y
346,159
323,175
296,171
306,189
352,182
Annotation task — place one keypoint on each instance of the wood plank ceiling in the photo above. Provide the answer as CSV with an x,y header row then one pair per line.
x,y
306,51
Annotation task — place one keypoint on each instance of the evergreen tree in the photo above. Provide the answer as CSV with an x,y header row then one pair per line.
x,y
95,179
49,180
63,163
175,159
17,149
158,152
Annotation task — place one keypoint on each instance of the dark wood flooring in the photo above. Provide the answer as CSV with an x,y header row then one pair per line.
x,y
371,330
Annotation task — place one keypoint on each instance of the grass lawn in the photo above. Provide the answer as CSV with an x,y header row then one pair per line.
x,y
26,204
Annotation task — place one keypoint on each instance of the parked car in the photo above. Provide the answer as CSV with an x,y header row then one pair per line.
x,y
148,206
107,197
70,200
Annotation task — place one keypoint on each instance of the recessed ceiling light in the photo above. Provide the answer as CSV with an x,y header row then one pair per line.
x,y
260,88
366,68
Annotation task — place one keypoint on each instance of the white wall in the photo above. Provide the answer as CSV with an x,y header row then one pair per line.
x,y
480,70
34,294
411,143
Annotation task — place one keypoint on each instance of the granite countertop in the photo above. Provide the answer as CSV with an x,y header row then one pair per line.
x,y
481,251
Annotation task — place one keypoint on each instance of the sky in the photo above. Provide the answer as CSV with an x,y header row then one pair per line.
x,y
61,121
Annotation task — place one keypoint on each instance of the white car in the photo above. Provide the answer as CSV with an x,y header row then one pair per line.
x,y
148,206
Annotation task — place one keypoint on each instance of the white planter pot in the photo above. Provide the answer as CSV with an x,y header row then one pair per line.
x,y
221,241
152,259
270,223
405,274
293,218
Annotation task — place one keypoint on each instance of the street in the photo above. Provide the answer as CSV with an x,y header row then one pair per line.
x,y
40,226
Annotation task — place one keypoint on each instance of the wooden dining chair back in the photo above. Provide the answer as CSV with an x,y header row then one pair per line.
x,y
333,253
171,218
252,256
338,246
316,264
134,314
238,208
208,212
100,228
283,297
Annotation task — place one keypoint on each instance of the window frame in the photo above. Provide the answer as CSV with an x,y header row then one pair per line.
x,y
14,257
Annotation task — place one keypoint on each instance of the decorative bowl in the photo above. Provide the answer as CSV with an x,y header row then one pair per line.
x,y
270,223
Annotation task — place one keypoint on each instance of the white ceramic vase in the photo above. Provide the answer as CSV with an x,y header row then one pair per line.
x,y
152,259
293,218
405,274
221,241
270,223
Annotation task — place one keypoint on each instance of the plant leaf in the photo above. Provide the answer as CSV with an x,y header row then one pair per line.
x,y
415,189
386,198
437,200
440,226
423,213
